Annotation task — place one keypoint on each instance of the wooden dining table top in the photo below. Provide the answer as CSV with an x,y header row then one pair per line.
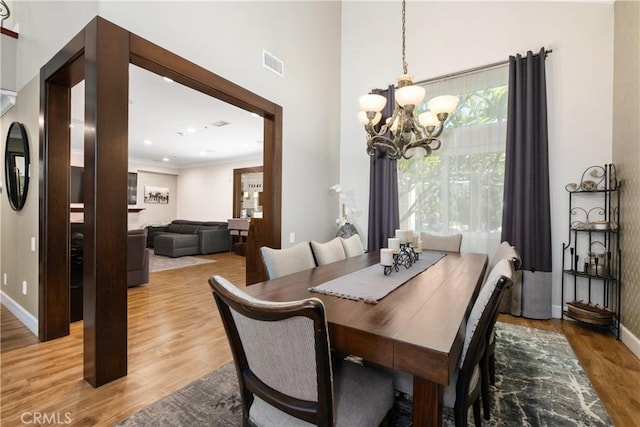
x,y
418,328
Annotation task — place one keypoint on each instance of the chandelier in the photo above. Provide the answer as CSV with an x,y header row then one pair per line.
x,y
407,133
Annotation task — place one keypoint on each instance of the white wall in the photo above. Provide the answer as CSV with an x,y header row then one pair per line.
x,y
206,193
445,37
155,213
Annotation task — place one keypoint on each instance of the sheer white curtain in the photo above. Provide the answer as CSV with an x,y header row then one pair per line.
x,y
459,187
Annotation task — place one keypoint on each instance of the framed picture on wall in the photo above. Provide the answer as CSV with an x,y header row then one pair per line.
x,y
156,194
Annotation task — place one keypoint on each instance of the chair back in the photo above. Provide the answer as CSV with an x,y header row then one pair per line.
x,y
281,262
512,300
326,253
352,246
480,322
281,353
505,250
441,243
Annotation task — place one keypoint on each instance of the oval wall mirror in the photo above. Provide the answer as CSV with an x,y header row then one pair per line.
x,y
16,165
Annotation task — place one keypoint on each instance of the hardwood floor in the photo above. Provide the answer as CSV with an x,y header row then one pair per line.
x,y
175,337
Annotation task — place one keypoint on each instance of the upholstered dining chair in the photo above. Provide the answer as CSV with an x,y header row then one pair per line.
x,y
281,262
441,243
326,253
465,388
352,246
504,252
285,371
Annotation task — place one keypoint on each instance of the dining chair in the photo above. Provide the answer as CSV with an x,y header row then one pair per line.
x,y
352,246
326,253
504,252
281,262
465,387
441,243
285,371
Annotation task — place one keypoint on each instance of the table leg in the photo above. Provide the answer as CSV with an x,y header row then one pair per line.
x,y
427,405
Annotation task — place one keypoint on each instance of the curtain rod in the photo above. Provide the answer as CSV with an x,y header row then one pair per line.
x,y
471,70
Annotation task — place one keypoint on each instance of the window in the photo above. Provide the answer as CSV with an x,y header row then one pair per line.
x,y
459,187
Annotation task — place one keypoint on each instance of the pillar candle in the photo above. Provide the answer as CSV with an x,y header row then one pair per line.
x,y
394,244
401,235
419,246
386,256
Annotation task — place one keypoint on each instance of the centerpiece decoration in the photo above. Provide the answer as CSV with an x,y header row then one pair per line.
x,y
404,250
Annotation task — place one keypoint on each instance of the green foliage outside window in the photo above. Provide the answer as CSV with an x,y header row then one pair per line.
x,y
459,189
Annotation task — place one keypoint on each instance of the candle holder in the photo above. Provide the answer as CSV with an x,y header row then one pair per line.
x,y
406,257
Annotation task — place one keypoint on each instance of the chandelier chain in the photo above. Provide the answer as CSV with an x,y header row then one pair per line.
x,y
404,60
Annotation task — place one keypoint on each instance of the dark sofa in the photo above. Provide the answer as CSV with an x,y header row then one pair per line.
x,y
183,237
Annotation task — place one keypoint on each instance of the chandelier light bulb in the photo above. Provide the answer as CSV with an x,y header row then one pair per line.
x,y
410,95
394,126
372,102
364,120
428,119
443,104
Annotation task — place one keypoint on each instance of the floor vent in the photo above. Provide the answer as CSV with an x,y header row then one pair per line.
x,y
272,63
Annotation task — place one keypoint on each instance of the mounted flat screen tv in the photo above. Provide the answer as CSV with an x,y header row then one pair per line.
x,y
77,187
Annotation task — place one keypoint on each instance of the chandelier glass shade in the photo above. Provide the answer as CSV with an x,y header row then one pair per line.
x,y
403,133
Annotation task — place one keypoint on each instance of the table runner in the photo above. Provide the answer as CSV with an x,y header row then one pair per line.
x,y
371,285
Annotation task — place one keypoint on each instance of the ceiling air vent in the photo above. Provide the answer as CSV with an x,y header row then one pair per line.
x,y
272,63
219,123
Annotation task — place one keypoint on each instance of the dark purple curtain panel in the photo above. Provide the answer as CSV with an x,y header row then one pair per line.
x,y
526,219
384,216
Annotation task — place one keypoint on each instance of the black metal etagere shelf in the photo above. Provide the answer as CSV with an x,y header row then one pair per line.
x,y
591,279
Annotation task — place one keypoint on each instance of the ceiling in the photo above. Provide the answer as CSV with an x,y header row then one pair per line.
x,y
171,125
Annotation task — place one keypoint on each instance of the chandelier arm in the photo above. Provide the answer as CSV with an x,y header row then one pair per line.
x,y
382,141
371,131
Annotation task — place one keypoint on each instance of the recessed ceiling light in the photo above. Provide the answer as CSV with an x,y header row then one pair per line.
x,y
148,142
167,79
70,125
191,130
255,115
165,159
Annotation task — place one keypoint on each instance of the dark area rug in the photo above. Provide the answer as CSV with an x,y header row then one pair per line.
x,y
539,382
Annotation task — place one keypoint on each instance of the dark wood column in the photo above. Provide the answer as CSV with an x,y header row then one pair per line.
x,y
105,201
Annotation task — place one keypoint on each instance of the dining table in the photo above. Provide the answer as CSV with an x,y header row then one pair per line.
x,y
418,328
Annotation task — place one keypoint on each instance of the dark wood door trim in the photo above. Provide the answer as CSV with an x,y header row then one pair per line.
x,y
101,52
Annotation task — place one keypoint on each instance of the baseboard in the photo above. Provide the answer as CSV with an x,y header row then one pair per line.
x,y
28,319
556,311
630,340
